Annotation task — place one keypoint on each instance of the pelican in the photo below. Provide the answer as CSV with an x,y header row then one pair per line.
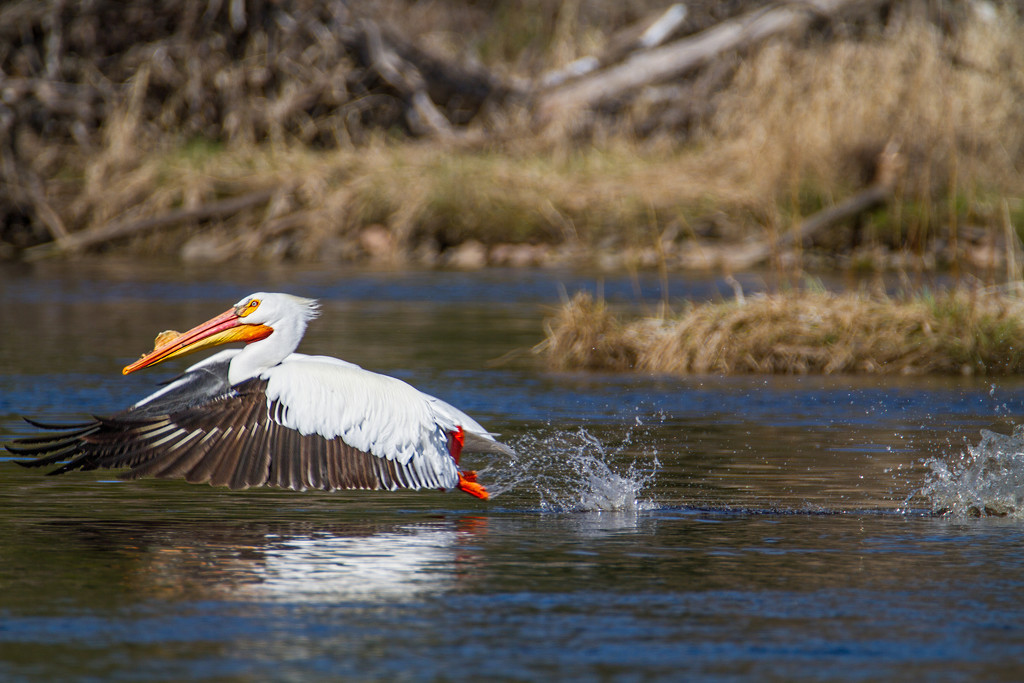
x,y
264,415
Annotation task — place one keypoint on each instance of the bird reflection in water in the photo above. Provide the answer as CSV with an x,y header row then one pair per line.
x,y
294,562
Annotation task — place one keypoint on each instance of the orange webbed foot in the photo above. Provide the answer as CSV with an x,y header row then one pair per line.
x,y
467,483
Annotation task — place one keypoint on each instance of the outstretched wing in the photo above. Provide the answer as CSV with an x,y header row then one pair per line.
x,y
294,428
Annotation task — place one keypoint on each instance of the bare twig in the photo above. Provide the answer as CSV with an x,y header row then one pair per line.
x,y
1013,247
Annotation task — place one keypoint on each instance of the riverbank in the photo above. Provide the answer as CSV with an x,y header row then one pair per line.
x,y
885,135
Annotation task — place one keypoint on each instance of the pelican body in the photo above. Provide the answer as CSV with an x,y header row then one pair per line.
x,y
264,415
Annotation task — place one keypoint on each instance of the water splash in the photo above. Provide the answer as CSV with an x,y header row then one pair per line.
x,y
573,470
987,479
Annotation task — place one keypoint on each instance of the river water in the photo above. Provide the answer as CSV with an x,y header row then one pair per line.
x,y
649,528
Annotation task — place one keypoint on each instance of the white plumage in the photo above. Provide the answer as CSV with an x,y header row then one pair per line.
x,y
375,413
265,415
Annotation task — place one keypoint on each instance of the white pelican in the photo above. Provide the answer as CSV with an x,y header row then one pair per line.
x,y
264,415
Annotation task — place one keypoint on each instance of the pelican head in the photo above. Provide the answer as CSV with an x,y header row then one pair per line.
x,y
276,321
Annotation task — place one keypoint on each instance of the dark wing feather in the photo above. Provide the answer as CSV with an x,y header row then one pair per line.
x,y
202,430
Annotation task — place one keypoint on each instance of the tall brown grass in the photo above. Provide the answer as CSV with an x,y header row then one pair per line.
x,y
798,117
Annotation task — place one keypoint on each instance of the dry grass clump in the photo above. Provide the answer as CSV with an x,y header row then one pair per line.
x,y
960,331
585,335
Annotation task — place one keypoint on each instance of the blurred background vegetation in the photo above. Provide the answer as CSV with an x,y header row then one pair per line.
x,y
427,133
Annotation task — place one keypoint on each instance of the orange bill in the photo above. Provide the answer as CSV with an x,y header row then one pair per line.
x,y
225,328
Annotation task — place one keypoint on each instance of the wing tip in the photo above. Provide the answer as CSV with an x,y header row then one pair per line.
x,y
52,426
486,444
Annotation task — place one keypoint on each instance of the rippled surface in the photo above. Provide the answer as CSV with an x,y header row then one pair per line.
x,y
649,528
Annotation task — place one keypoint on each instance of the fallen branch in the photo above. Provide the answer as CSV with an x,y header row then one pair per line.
x,y
644,35
865,200
890,166
117,230
645,68
423,116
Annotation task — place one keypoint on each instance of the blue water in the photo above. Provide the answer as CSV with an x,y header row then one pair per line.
x,y
649,528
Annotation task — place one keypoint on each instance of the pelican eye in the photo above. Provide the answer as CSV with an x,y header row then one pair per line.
x,y
249,307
